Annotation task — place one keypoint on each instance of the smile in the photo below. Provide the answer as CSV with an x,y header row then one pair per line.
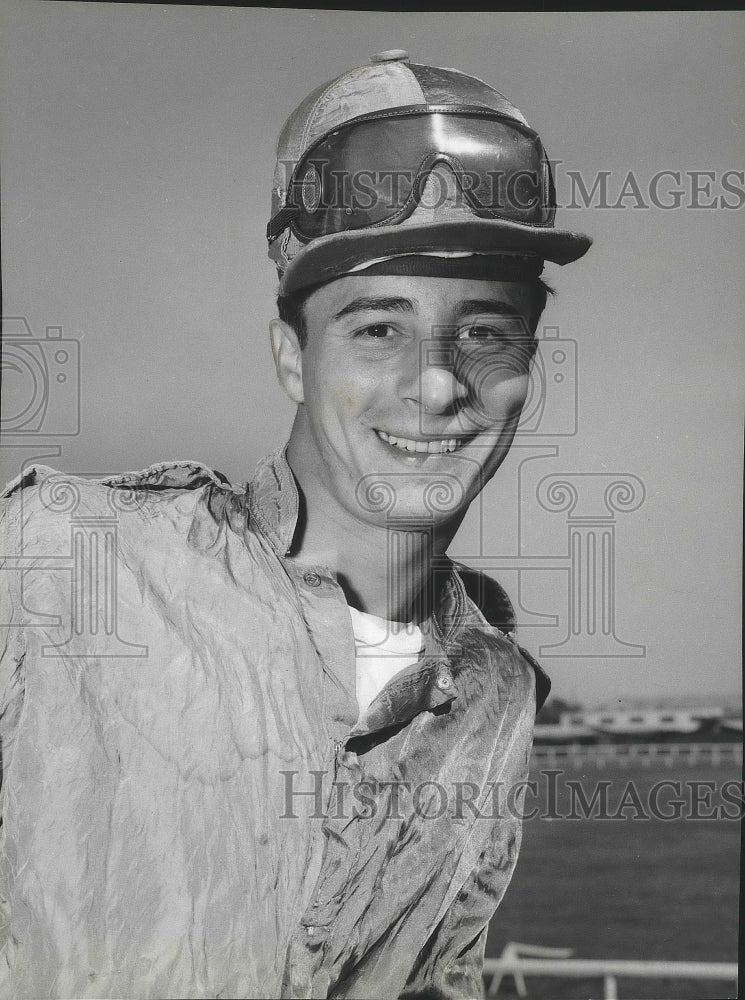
x,y
422,447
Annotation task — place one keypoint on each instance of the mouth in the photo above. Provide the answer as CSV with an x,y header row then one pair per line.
x,y
431,446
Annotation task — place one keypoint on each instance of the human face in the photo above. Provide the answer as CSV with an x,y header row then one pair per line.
x,y
411,390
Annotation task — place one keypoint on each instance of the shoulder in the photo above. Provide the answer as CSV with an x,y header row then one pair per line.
x,y
184,475
494,604
50,499
177,475
489,597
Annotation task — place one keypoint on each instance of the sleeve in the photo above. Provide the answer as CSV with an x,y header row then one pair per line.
x,y
12,681
450,966
12,648
462,979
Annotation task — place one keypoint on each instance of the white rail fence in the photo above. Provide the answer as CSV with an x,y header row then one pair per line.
x,y
644,754
519,961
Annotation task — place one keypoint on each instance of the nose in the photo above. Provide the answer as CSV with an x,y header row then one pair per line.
x,y
439,389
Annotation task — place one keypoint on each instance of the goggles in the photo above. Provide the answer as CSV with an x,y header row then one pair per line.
x,y
372,170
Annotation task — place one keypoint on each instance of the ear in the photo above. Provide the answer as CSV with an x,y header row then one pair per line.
x,y
288,359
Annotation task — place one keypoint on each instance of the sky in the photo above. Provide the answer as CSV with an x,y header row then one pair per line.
x,y
137,156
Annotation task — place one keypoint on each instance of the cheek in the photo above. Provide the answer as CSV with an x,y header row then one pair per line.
x,y
347,399
499,398
335,398
516,392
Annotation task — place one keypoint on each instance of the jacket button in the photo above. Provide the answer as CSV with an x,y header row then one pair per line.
x,y
444,682
312,579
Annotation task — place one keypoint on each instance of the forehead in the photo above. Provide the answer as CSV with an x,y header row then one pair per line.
x,y
440,300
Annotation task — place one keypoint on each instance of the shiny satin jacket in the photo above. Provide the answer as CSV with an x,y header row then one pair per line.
x,y
190,805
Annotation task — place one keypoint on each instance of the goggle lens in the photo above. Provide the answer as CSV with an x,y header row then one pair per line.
x,y
373,171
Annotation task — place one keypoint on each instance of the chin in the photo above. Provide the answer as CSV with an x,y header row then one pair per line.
x,y
393,497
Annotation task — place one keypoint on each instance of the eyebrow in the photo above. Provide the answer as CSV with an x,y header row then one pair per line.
x,y
388,303
495,306
372,303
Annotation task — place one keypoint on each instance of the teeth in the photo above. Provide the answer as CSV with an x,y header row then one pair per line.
x,y
421,447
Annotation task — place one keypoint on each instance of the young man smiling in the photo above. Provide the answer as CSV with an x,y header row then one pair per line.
x,y
373,411
277,752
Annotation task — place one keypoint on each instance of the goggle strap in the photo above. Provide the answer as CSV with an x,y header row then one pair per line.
x,y
280,222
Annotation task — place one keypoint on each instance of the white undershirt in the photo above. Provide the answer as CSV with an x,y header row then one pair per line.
x,y
383,649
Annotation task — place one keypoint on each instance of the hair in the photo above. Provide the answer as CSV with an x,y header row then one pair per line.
x,y
291,308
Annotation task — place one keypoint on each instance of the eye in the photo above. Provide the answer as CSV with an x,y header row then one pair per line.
x,y
376,331
480,332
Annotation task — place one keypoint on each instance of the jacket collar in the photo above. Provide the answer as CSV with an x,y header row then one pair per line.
x,y
274,501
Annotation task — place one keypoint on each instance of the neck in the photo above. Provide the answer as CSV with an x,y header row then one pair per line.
x,y
382,568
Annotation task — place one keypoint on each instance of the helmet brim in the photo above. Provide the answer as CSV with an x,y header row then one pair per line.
x,y
330,257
